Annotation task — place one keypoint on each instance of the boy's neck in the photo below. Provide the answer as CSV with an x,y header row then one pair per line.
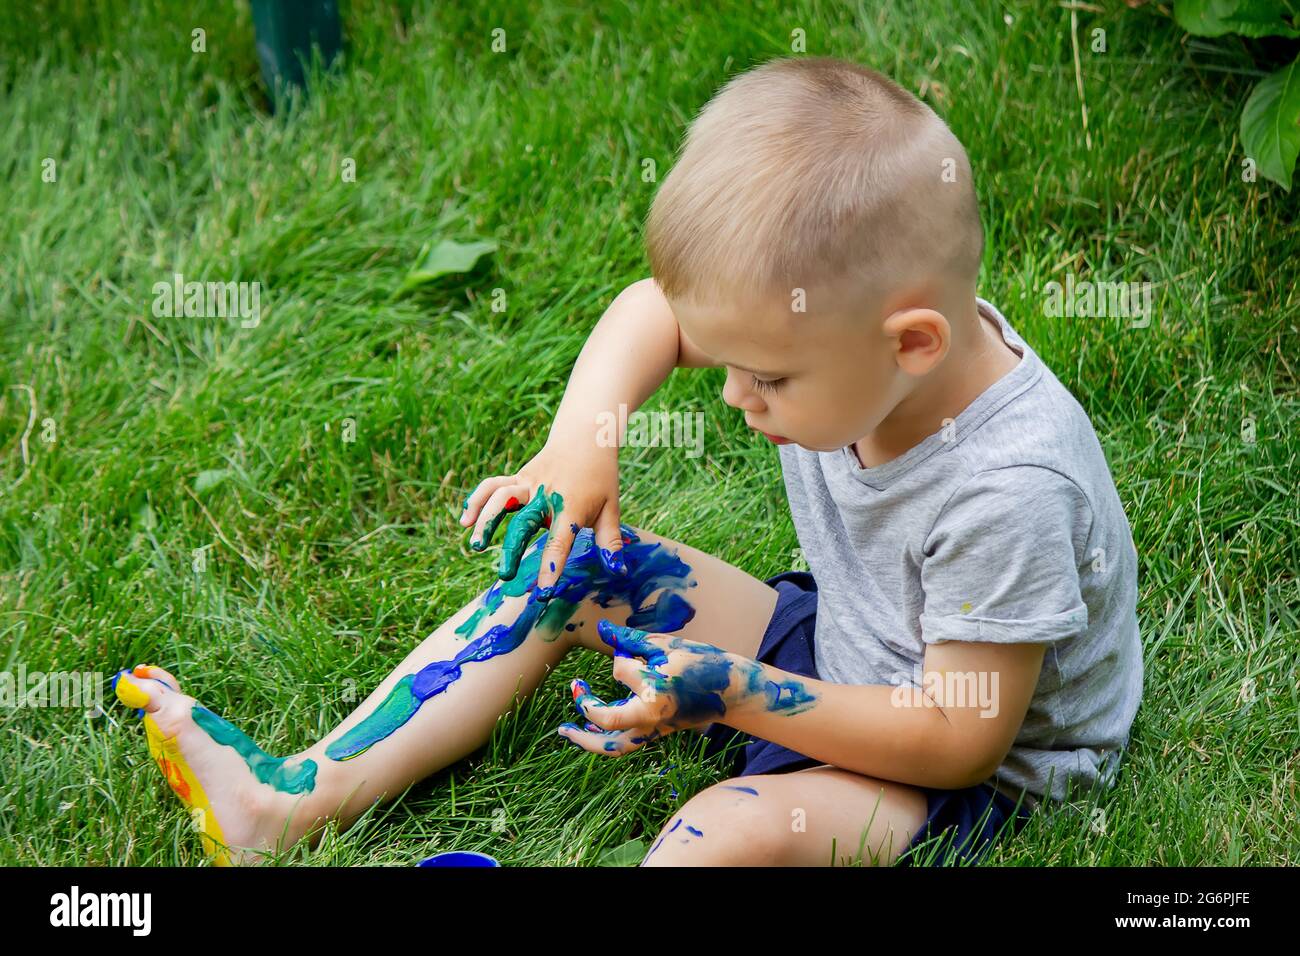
x,y
945,394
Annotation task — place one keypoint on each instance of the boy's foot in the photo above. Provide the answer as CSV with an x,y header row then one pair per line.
x,y
217,772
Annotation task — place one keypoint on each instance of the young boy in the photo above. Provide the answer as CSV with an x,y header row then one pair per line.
x,y
966,642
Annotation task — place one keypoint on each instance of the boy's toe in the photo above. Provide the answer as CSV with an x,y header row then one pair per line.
x,y
152,671
147,688
135,693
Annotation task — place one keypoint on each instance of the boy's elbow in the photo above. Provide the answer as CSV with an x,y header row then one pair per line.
x,y
979,771
965,762
984,764
956,775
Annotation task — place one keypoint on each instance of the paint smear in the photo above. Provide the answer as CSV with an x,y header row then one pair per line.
x,y
704,684
269,770
649,567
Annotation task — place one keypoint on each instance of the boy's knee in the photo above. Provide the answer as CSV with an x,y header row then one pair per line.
x,y
722,826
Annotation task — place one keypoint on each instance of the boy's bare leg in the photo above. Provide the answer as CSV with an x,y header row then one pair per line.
x,y
436,707
820,816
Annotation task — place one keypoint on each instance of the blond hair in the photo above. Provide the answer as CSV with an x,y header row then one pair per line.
x,y
806,171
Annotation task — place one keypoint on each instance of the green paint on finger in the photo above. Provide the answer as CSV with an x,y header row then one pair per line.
x,y
534,516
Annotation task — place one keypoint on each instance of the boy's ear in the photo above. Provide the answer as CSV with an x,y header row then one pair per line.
x,y
920,338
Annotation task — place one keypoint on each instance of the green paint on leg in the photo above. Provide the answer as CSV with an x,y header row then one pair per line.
x,y
556,615
398,707
269,770
494,597
467,629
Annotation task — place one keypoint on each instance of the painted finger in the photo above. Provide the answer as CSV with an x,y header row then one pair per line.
x,y
611,743
481,492
535,515
582,693
506,499
523,526
631,642
558,545
626,714
609,539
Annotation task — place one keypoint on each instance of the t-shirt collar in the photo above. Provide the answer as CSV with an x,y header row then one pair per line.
x,y
1025,374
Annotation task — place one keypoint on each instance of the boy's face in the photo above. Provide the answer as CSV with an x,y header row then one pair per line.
x,y
821,380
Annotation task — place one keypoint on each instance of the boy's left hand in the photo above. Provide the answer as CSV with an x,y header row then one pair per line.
x,y
681,684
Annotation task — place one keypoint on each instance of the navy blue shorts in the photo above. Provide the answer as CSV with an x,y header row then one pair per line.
x,y
968,821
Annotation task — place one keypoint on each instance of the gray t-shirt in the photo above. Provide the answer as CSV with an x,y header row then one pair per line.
x,y
1003,526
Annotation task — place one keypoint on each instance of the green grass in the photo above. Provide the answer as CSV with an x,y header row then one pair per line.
x,y
327,561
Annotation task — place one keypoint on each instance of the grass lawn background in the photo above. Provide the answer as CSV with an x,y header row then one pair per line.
x,y
327,560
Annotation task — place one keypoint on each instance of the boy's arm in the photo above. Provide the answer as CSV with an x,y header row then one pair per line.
x,y
912,735
1001,579
628,355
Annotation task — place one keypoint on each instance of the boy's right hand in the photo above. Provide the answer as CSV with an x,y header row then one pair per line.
x,y
565,487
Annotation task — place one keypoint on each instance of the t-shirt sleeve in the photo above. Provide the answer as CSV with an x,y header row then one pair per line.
x,y
1002,562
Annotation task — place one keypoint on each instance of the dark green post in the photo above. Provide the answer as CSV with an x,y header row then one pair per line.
x,y
287,30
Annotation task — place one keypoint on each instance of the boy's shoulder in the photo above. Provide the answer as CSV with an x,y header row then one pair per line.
x,y
1038,424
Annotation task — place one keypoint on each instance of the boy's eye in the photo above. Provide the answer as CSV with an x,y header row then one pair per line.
x,y
766,385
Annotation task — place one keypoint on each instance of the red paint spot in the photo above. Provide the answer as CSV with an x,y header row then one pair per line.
x,y
175,779
512,503
547,521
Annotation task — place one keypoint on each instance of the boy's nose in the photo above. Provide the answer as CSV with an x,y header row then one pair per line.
x,y
737,396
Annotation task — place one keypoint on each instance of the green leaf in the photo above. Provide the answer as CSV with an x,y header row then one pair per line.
x,y
627,854
447,256
209,479
1252,18
1270,124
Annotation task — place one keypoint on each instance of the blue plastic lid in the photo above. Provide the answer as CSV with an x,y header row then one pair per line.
x,y
459,858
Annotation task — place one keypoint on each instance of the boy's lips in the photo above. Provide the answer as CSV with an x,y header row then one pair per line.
x,y
774,439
